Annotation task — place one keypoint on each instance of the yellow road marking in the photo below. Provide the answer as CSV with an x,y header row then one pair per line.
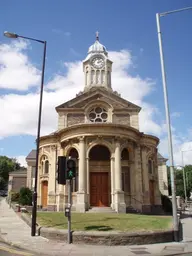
x,y
14,251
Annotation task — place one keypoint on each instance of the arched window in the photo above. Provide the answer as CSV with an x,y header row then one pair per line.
x,y
46,167
125,154
150,166
126,179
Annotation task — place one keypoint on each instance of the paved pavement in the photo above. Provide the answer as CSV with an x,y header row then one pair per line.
x,y
7,250
14,231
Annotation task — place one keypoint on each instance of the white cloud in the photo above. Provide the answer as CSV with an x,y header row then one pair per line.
x,y
22,110
61,32
147,122
179,144
16,71
21,160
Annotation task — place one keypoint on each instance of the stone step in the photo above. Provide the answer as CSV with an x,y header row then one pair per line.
x,y
101,210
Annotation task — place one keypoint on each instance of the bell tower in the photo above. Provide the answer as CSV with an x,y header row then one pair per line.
x,y
97,67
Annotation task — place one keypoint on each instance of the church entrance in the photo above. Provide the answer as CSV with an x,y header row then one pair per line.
x,y
99,160
44,193
99,189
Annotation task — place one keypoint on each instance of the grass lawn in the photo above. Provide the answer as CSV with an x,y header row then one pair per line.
x,y
105,222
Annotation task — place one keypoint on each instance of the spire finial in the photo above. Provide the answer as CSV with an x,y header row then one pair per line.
x,y
97,36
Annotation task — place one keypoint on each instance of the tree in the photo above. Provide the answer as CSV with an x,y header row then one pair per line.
x,y
179,183
25,196
7,165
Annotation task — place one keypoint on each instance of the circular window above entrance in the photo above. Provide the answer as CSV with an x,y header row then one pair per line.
x,y
98,115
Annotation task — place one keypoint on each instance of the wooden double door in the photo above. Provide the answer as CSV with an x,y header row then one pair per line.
x,y
44,193
99,189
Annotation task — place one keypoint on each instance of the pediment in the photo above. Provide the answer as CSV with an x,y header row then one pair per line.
x,y
101,94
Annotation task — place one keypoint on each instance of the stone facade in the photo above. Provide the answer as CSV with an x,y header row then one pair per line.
x,y
162,173
17,180
117,165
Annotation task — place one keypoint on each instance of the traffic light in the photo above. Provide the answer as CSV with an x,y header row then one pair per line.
x,y
62,170
71,168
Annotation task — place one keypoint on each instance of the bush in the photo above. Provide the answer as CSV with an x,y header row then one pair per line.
x,y
25,196
14,196
166,204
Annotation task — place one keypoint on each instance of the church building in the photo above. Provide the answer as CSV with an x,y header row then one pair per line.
x,y
117,165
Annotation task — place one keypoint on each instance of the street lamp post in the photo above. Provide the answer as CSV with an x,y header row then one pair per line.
x,y
170,146
34,209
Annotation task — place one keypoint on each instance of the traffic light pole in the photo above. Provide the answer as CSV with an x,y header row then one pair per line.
x,y
69,215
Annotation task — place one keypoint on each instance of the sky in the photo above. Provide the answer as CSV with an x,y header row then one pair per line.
x,y
128,30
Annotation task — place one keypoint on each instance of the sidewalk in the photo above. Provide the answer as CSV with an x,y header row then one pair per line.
x,y
14,231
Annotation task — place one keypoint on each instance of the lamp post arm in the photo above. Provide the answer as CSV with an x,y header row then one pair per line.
x,y
178,10
32,39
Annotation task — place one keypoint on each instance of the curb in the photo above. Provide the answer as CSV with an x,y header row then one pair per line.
x,y
27,219
39,253
16,246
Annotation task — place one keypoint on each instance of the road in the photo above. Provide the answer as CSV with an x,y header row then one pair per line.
x,y
6,250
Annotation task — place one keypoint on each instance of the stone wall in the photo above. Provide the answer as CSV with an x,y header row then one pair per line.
x,y
134,119
18,183
109,238
163,180
121,119
73,119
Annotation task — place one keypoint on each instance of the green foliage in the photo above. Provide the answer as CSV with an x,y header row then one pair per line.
x,y
166,204
25,196
179,181
7,165
14,196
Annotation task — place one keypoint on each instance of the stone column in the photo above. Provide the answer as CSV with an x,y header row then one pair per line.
x,y
29,176
138,180
81,199
119,200
112,182
145,176
157,190
52,179
88,186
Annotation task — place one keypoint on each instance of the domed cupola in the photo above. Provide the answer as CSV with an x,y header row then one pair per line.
x,y
97,66
97,47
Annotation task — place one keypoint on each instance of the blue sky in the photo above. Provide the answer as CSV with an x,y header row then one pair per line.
x,y
69,28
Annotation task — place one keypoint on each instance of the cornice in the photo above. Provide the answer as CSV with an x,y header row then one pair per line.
x,y
101,129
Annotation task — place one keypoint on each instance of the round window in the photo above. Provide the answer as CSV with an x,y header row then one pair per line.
x,y
98,115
